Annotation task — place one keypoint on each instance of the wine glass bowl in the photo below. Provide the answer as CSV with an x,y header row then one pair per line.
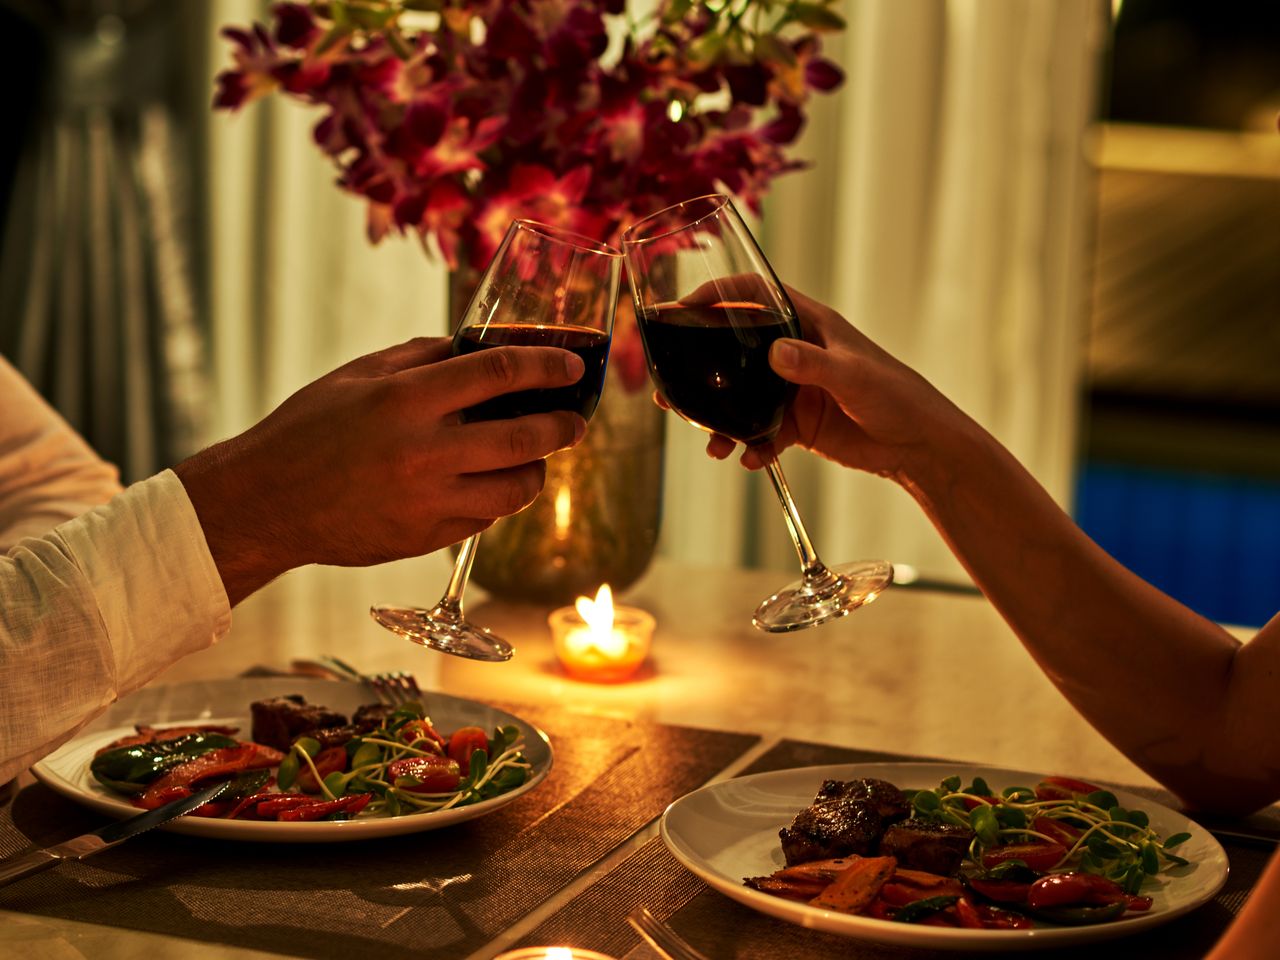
x,y
545,287
709,307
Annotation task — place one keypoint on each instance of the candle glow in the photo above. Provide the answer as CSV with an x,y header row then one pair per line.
x,y
594,640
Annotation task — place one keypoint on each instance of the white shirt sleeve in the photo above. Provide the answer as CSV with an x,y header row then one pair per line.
x,y
95,607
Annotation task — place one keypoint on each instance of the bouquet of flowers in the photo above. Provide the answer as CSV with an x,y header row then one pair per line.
x,y
452,117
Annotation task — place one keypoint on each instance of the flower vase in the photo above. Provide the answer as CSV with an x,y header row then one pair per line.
x,y
597,518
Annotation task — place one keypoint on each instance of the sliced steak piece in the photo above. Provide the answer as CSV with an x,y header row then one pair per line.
x,y
922,845
278,721
846,817
890,802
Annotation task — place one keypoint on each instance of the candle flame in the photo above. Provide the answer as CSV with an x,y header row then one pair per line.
x,y
598,616
563,511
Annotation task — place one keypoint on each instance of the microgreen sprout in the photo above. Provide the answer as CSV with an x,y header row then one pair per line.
x,y
1109,839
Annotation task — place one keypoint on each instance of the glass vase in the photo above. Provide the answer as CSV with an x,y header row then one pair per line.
x,y
597,518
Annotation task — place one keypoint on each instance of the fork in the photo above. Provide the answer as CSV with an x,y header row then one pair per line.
x,y
392,689
661,937
395,688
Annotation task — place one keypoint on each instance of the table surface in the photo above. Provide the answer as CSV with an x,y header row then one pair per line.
x,y
904,675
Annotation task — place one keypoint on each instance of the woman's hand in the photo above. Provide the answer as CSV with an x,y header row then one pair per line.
x,y
856,405
372,462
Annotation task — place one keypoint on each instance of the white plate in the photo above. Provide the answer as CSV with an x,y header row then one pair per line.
x,y
227,701
728,831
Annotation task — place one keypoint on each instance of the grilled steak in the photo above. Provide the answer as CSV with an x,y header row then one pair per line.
x,y
846,817
923,845
279,721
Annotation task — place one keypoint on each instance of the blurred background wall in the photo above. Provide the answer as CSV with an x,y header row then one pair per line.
x,y
1063,212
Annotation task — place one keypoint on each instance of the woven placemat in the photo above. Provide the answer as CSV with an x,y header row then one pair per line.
x,y
441,893
722,928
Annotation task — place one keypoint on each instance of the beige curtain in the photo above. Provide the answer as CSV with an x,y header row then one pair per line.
x,y
947,215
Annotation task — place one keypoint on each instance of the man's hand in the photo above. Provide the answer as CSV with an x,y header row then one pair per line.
x,y
372,462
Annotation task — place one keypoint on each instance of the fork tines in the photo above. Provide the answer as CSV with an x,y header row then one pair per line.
x,y
395,688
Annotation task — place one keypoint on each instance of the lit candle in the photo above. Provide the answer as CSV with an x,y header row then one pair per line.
x,y
594,640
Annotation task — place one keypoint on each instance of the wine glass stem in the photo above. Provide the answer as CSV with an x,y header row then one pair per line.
x,y
451,602
810,565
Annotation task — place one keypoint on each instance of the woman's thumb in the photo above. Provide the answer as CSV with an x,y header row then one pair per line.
x,y
795,360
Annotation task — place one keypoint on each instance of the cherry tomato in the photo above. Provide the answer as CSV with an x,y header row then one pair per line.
x,y
1039,856
463,743
422,730
432,774
1063,833
1079,889
331,760
1063,788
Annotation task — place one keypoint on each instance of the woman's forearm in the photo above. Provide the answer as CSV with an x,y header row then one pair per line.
x,y
1155,678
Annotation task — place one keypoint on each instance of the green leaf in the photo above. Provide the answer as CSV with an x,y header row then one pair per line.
x,y
983,822
951,784
307,745
926,801
919,909
817,17
979,788
1150,858
336,783
1102,798
770,49
1011,817
366,754
1175,840
1138,818
288,771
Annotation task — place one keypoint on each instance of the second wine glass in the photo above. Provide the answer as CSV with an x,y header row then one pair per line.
x,y
545,287
709,308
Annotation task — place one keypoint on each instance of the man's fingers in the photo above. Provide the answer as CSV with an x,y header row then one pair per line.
x,y
500,493
498,444
465,381
413,353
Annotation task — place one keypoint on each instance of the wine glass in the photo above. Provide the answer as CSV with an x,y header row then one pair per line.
x,y
544,287
709,307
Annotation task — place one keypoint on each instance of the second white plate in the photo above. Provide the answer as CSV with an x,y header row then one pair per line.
x,y
728,831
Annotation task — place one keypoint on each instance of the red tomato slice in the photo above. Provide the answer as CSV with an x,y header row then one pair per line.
x,y
1063,833
433,774
331,760
464,742
1063,788
1039,856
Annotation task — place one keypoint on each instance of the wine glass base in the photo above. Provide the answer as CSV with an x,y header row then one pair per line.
x,y
814,600
444,631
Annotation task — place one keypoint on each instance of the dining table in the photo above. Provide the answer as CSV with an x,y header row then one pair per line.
x,y
928,672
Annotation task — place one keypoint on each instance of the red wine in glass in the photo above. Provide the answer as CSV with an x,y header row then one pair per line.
x,y
711,363
581,397
545,287
709,308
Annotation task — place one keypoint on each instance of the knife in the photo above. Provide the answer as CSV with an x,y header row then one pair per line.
x,y
98,840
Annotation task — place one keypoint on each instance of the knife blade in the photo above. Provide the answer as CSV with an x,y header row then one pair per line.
x,y
96,841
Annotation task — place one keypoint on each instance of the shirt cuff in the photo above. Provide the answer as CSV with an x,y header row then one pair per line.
x,y
157,588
